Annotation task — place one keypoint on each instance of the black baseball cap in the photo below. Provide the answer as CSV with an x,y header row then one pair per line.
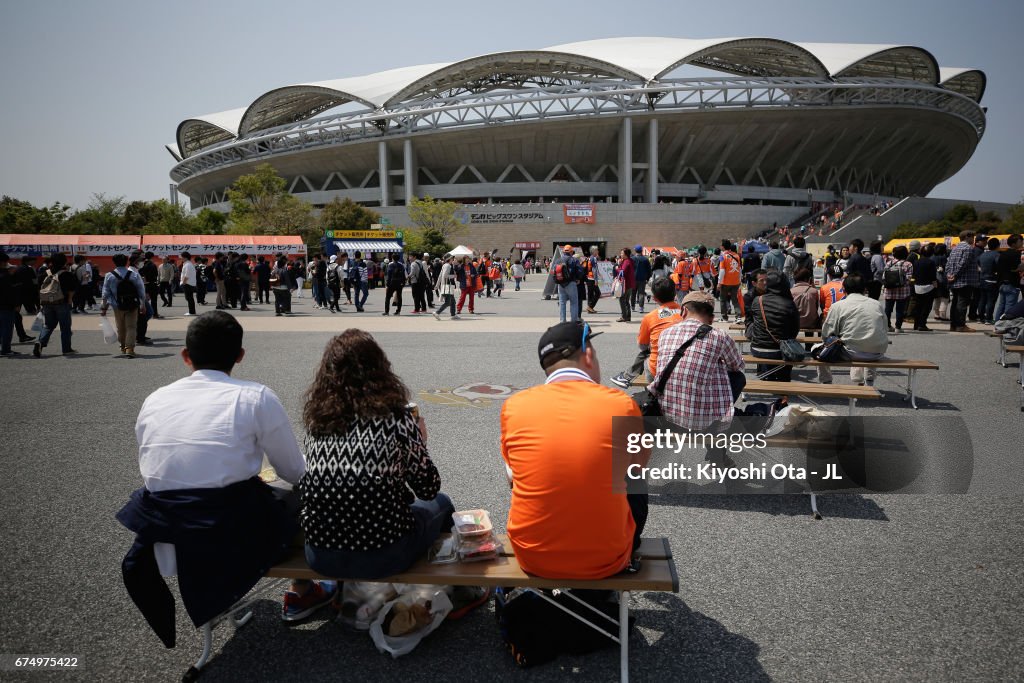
x,y
562,340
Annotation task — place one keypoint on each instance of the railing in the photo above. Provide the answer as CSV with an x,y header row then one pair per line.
x,y
577,101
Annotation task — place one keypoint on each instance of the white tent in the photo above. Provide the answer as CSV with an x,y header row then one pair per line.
x,y
461,251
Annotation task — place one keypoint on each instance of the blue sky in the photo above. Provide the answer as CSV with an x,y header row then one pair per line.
x,y
93,90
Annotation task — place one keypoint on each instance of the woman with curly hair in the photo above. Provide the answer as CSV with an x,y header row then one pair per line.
x,y
371,501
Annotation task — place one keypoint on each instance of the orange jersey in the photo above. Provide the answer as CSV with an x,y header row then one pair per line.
x,y
566,520
653,324
685,272
830,293
730,269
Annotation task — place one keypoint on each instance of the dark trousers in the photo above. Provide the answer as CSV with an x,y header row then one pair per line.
x,y
152,291
637,298
593,293
987,295
430,294
282,301
961,301
581,296
396,291
638,508
167,293
19,325
7,316
142,325
901,309
190,298
624,304
447,301
419,296
487,285
335,290
231,291
264,292
54,316
924,307
430,517
772,373
348,291
201,292
875,290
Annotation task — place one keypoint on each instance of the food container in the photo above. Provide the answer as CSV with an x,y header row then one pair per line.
x,y
477,548
472,523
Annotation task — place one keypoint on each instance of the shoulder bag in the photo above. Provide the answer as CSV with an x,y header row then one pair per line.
x,y
791,349
647,400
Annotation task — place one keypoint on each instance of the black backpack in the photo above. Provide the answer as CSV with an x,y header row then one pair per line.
x,y
127,295
332,274
893,276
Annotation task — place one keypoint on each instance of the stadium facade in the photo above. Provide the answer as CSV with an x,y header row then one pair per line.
x,y
756,132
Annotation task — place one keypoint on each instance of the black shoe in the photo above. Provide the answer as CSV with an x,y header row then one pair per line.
x,y
37,350
25,340
9,353
244,309
278,315
68,352
385,313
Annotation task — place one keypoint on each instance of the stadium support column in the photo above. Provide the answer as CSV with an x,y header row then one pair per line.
x,y
626,161
651,190
384,173
409,160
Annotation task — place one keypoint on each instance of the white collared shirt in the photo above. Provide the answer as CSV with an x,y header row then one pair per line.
x,y
188,273
569,375
209,430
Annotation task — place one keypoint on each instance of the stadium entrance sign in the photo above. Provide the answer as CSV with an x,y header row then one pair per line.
x,y
488,218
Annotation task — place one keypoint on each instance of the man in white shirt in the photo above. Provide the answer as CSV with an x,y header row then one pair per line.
x,y
860,322
202,441
188,281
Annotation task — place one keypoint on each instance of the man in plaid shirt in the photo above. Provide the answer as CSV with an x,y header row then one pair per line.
x,y
699,392
964,279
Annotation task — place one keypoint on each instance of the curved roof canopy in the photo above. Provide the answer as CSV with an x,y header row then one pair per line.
x,y
969,82
655,57
210,129
511,70
640,59
905,62
299,102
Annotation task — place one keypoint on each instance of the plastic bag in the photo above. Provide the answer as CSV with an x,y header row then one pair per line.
x,y
439,605
37,324
109,333
813,423
361,601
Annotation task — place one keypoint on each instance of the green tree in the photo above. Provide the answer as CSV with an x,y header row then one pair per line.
x,y
962,213
210,222
103,216
345,214
436,215
17,215
169,219
261,205
1014,221
425,240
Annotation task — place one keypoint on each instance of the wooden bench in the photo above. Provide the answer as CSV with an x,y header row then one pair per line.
x,y
657,572
908,364
742,326
806,390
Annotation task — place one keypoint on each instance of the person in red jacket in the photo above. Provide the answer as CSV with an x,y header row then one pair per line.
x,y
627,272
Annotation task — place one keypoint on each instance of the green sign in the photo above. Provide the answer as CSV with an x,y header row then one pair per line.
x,y
385,221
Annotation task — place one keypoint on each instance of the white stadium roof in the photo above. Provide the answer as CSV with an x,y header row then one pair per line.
x,y
630,59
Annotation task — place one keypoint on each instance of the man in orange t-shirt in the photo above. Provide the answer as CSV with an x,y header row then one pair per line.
x,y
667,313
567,520
831,292
729,281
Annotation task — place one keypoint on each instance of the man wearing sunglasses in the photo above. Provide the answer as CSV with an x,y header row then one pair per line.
x,y
565,520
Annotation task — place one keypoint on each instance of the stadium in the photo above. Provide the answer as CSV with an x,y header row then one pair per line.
x,y
657,139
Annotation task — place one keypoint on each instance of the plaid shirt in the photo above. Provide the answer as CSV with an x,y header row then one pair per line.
x,y
962,266
903,291
698,393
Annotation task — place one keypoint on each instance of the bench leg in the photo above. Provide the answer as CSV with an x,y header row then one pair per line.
x,y
853,405
814,506
1002,351
193,671
911,388
624,636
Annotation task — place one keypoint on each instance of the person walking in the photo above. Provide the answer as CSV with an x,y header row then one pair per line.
x,y
394,277
281,286
165,278
625,271
465,273
55,294
564,270
418,284
124,290
445,287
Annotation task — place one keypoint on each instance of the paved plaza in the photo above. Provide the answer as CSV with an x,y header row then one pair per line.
x,y
886,587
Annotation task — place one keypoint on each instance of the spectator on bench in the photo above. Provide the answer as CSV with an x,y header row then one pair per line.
x,y
667,313
371,501
860,322
709,377
202,440
566,520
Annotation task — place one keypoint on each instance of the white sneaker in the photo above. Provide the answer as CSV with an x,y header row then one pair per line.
x,y
437,315
185,315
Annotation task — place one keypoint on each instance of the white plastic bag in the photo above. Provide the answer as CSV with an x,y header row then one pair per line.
x,y
37,324
361,601
109,333
440,606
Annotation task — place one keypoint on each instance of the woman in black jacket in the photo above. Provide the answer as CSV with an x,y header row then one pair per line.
x,y
773,317
926,280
